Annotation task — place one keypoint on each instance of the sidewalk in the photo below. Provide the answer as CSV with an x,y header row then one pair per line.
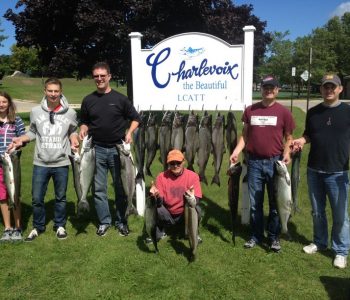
x,y
27,105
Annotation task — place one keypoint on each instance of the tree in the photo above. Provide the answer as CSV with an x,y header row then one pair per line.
x,y
2,37
278,60
25,60
72,35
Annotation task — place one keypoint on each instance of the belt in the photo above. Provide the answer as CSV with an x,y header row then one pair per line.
x,y
255,157
108,145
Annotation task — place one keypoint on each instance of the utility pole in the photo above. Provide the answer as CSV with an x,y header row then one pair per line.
x,y
291,99
308,82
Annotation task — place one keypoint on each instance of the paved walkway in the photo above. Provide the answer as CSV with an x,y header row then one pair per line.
x,y
27,105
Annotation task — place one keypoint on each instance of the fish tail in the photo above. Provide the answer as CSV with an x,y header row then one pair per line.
x,y
216,179
140,175
148,172
202,178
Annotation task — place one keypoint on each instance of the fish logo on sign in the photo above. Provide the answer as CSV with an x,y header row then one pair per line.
x,y
192,52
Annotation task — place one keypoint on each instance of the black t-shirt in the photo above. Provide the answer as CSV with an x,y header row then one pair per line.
x,y
328,129
107,116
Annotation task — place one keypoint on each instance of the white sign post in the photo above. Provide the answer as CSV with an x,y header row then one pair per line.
x,y
191,71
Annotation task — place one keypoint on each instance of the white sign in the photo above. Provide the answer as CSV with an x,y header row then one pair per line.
x,y
192,71
293,71
305,75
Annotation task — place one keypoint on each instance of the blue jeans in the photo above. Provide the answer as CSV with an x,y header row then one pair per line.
x,y
260,174
40,180
336,187
108,159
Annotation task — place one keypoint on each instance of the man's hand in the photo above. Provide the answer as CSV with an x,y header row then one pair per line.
x,y
83,131
153,191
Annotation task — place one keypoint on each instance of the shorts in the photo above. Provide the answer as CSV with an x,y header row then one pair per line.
x,y
3,190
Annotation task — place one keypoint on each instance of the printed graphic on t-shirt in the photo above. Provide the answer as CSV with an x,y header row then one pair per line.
x,y
263,120
51,137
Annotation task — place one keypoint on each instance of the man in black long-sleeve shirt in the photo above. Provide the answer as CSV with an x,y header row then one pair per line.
x,y
105,115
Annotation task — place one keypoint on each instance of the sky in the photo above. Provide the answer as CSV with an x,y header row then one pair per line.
x,y
299,17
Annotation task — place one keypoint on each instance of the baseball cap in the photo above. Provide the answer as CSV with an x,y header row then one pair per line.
x,y
269,80
175,155
331,78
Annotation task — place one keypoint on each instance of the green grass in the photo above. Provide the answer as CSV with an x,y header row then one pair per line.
x,y
113,267
32,88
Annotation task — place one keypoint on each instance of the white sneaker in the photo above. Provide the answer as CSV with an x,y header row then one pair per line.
x,y
61,233
310,249
32,235
340,261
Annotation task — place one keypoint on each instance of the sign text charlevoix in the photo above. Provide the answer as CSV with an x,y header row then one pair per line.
x,y
189,71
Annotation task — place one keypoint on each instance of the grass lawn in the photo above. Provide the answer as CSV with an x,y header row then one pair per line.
x,y
32,88
85,266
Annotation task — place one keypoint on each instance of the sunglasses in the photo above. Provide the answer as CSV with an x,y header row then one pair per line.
x,y
103,76
51,116
175,163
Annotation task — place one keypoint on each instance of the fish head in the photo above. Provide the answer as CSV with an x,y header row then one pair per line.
x,y
151,120
151,202
219,121
206,120
281,168
166,120
86,144
178,120
143,118
234,169
192,120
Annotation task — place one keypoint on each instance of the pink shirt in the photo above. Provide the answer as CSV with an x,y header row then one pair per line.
x,y
172,189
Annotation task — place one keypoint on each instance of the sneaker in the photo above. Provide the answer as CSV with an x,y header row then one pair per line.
x,y
340,261
310,249
6,236
275,246
102,229
61,233
17,235
200,241
32,235
123,230
250,244
149,240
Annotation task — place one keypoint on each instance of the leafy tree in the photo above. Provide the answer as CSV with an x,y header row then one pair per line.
x,y
2,37
278,60
72,35
5,65
25,60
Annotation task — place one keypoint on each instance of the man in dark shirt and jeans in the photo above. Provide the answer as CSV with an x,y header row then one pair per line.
x,y
105,115
327,129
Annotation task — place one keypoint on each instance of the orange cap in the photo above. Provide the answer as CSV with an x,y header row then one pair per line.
x,y
175,155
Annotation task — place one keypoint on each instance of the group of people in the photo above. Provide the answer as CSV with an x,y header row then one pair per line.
x,y
267,137
110,118
105,116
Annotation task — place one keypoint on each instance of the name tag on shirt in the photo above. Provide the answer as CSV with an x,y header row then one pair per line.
x,y
263,120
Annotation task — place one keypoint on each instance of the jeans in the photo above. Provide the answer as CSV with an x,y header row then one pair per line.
x,y
166,219
260,174
40,180
336,187
108,159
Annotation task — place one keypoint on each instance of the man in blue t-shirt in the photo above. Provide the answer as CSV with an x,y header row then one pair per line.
x,y
327,130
